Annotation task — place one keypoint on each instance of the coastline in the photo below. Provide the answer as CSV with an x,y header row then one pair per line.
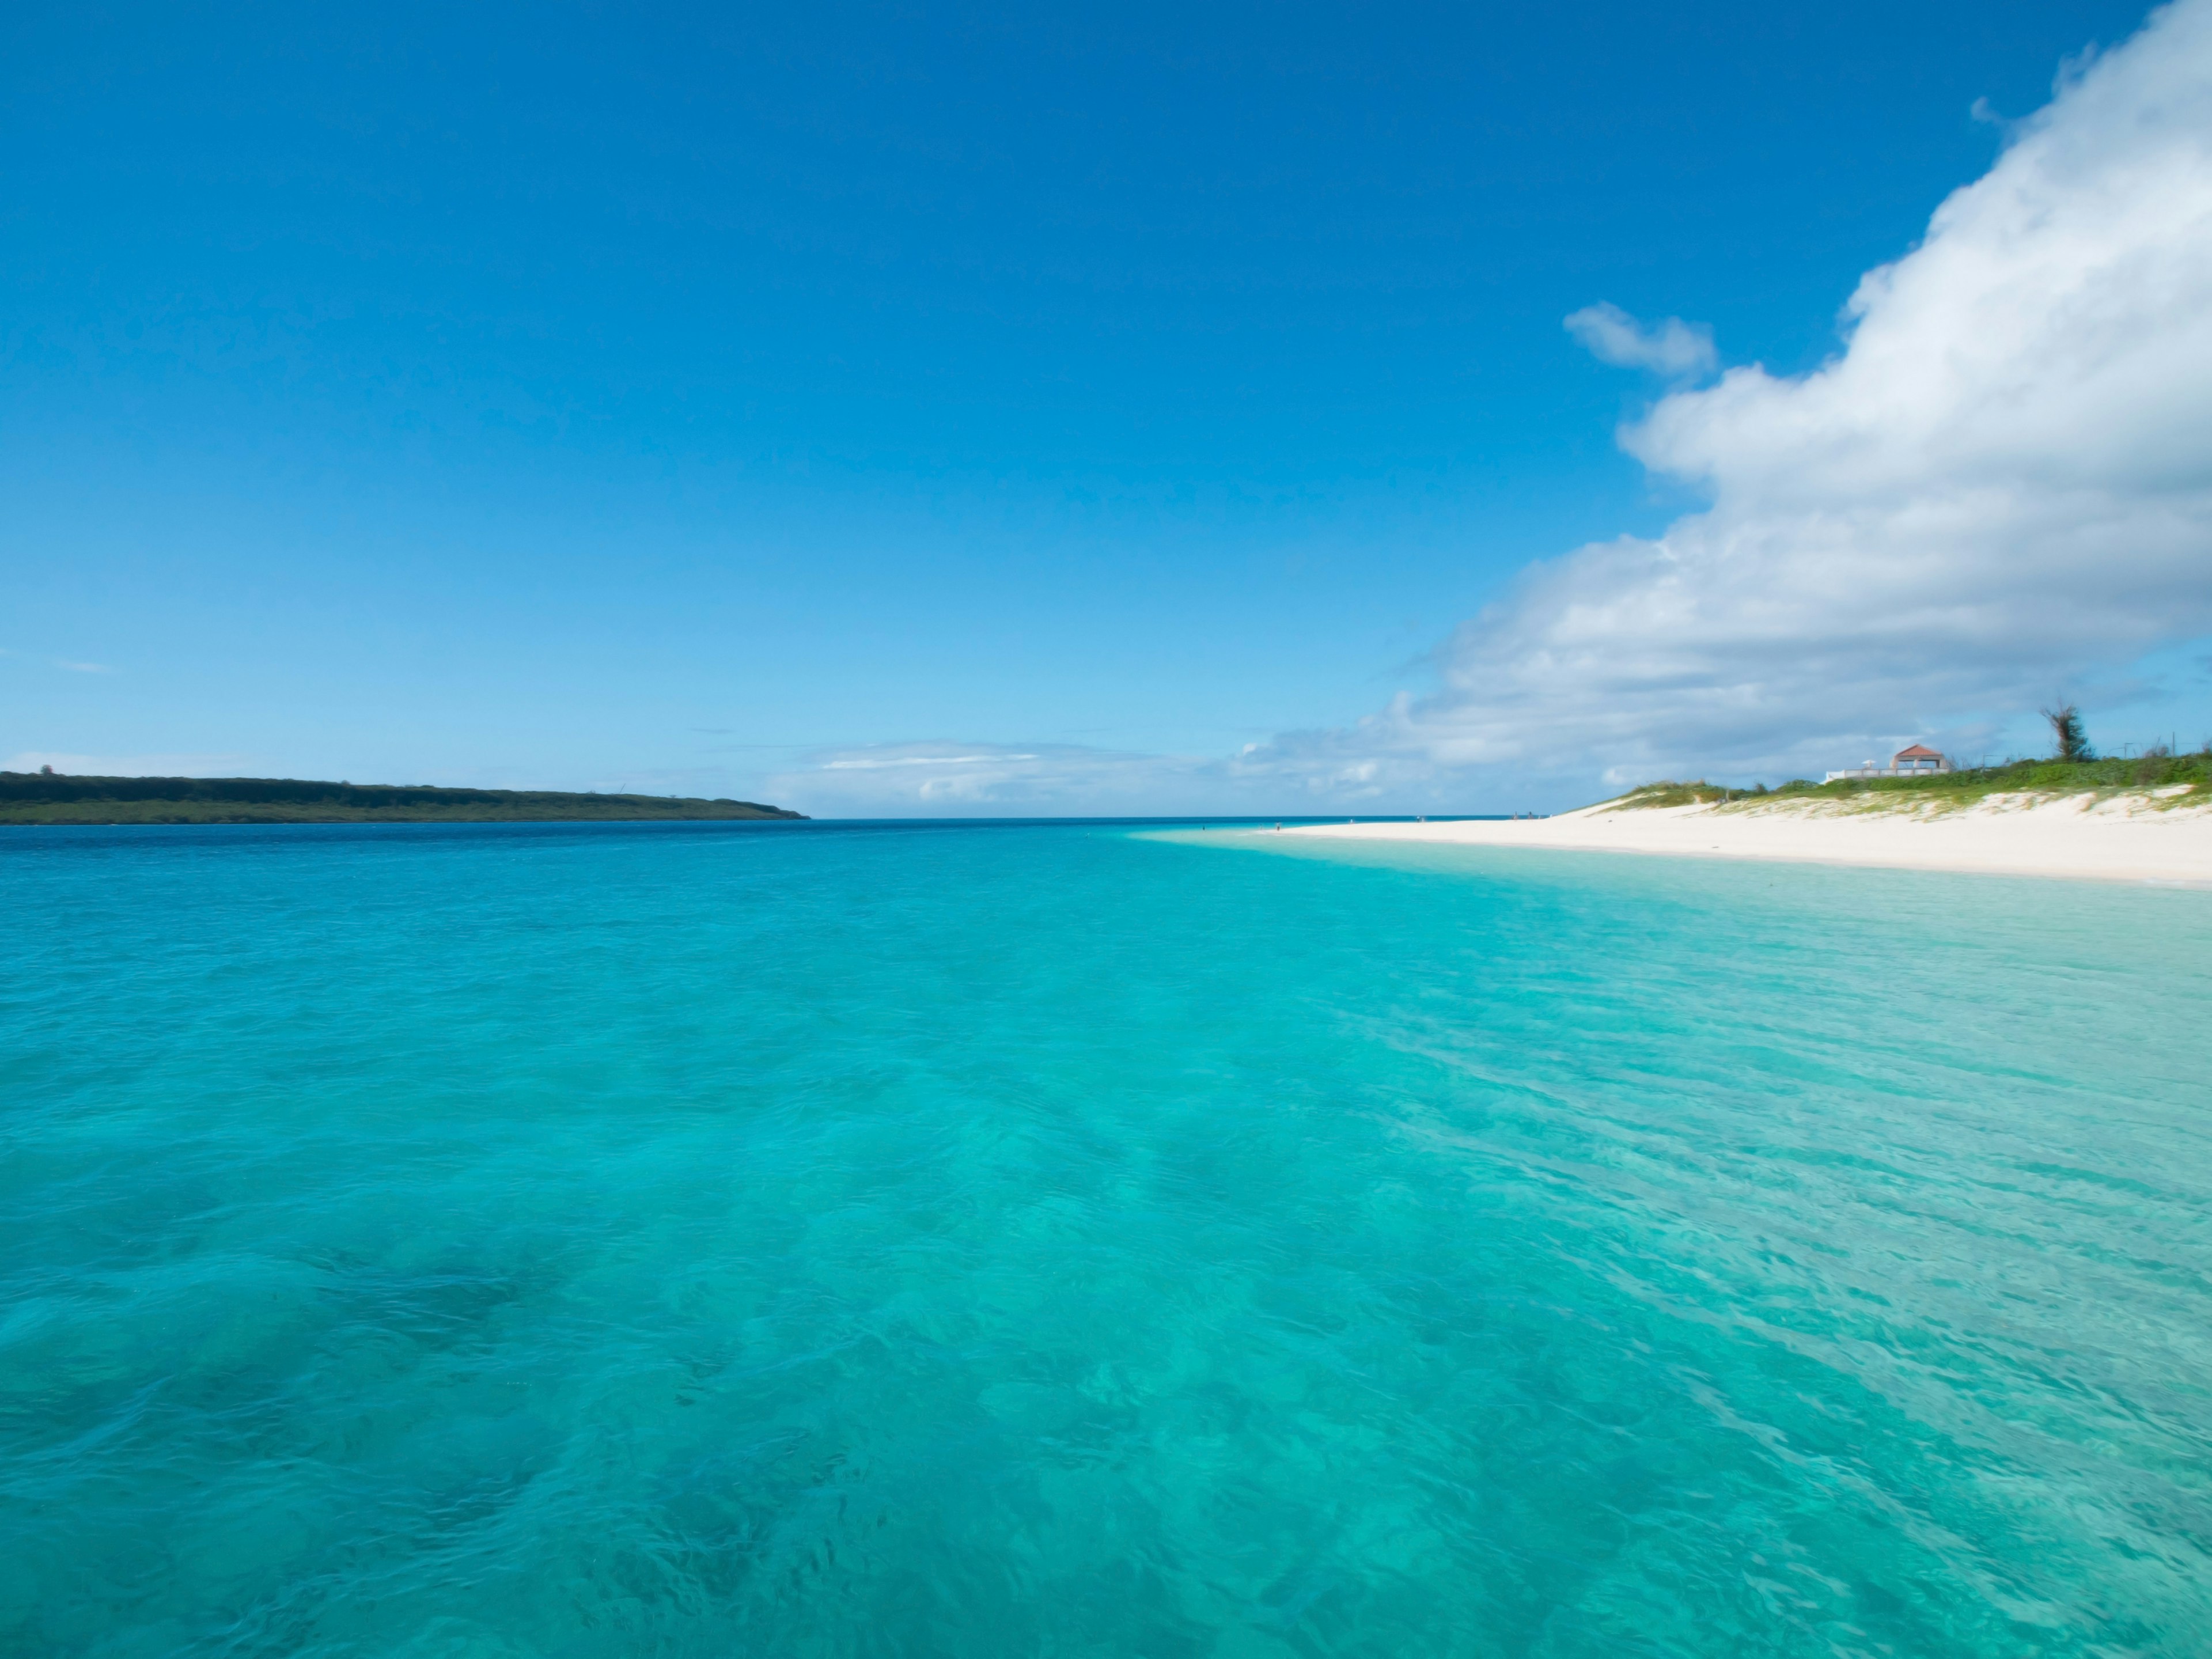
x,y
51,798
175,814
2126,837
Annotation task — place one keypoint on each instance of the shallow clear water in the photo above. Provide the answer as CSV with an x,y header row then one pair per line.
x,y
798,1240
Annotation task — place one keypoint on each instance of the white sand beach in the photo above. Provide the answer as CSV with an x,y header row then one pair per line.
x,y
2129,837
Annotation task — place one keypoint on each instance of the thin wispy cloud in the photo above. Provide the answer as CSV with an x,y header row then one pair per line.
x,y
65,664
874,763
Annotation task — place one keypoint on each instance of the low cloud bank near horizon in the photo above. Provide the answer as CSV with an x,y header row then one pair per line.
x,y
952,780
2000,489
986,780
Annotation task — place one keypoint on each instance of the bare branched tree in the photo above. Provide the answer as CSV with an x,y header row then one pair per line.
x,y
2066,727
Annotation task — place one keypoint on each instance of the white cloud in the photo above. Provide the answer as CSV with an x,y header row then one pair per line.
x,y
2002,485
1673,348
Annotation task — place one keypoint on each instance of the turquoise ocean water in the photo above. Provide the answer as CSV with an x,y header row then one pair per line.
x,y
806,1240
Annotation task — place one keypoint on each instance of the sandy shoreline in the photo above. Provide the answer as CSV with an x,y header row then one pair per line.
x,y
2122,838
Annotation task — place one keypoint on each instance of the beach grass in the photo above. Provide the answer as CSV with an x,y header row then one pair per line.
x,y
2167,780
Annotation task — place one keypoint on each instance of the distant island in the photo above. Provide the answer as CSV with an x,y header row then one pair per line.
x,y
61,798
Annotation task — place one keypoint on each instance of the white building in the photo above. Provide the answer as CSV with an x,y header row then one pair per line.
x,y
1913,762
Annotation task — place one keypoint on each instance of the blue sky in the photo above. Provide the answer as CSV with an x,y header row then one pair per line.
x,y
781,404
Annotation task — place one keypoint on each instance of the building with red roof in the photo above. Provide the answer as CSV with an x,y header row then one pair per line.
x,y
1919,761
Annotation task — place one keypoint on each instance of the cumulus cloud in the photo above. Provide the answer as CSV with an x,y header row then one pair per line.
x,y
2001,485
1673,348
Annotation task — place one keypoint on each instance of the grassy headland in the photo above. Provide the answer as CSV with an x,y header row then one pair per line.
x,y
50,798
2188,777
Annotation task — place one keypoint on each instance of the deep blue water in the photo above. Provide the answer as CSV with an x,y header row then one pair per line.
x,y
795,1240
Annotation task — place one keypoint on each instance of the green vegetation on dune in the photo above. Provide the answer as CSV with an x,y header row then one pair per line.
x,y
51,797
2190,776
